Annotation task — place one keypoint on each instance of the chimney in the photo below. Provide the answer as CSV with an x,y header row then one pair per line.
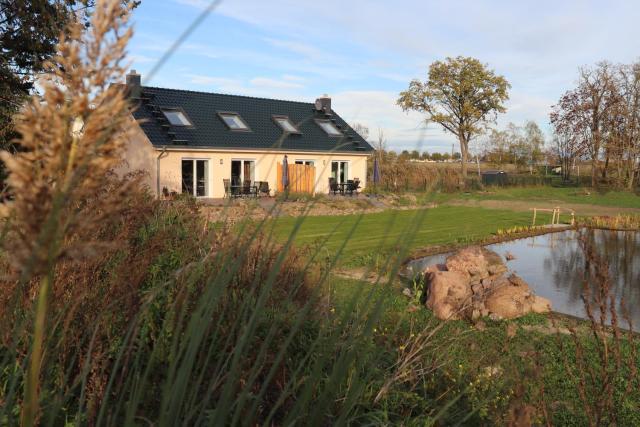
x,y
323,104
134,86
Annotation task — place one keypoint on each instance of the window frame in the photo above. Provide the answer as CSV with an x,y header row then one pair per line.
x,y
277,117
338,135
242,161
221,115
306,162
341,164
164,110
208,172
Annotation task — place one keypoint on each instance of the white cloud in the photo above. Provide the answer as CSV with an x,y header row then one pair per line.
x,y
538,46
141,59
303,49
265,82
292,78
378,110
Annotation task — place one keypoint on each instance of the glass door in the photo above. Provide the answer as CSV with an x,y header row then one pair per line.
x,y
195,174
243,171
340,171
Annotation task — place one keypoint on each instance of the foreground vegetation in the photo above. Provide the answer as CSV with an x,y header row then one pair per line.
x,y
118,309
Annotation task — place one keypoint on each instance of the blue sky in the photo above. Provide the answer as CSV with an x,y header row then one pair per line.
x,y
364,52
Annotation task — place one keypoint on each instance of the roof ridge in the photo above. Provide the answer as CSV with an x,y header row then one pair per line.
x,y
227,94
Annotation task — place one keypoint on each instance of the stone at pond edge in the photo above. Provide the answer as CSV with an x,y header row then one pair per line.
x,y
449,293
514,299
474,285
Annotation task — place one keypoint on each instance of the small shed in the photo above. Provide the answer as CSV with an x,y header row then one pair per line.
x,y
494,177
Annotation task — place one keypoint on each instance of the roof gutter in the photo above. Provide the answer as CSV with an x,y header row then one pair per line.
x,y
162,155
262,151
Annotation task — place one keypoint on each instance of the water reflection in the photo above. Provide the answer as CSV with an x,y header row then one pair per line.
x,y
554,265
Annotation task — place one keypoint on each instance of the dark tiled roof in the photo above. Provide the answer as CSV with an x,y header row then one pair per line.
x,y
209,131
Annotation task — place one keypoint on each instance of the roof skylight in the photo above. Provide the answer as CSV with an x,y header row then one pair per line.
x,y
177,117
285,124
233,121
329,127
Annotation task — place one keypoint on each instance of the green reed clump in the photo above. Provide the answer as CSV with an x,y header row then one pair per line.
x,y
618,222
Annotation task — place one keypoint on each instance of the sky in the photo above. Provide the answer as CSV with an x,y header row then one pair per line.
x,y
363,53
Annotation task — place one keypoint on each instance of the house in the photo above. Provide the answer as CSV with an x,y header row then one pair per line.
x,y
195,142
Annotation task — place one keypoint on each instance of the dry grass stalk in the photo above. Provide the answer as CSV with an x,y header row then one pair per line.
x,y
598,369
70,139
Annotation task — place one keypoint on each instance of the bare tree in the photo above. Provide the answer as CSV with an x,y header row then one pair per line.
x,y
361,129
381,144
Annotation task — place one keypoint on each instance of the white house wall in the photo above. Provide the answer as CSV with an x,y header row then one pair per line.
x,y
141,155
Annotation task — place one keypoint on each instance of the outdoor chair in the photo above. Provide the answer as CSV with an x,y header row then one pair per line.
x,y
227,187
334,187
350,187
263,188
246,188
356,185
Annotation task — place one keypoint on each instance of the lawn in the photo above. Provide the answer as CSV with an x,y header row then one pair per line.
x,y
368,235
531,366
621,199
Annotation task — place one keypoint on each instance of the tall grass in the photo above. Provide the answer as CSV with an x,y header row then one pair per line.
x,y
118,309
121,310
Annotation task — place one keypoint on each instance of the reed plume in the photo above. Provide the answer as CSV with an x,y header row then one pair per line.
x,y
71,137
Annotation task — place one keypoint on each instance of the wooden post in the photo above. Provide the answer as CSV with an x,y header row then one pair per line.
x,y
535,212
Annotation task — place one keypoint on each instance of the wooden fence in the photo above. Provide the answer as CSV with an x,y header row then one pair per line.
x,y
302,178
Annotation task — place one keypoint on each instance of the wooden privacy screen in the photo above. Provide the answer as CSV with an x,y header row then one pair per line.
x,y
301,178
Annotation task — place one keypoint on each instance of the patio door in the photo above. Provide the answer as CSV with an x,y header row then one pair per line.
x,y
340,171
195,177
243,170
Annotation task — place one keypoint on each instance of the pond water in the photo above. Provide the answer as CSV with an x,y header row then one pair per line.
x,y
554,266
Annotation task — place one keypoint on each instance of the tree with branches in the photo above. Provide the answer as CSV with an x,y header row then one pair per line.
x,y
29,33
462,95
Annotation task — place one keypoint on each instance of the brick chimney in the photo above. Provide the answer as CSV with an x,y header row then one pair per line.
x,y
134,85
323,104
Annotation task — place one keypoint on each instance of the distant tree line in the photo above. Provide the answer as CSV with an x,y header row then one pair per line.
x,y
426,156
599,120
519,145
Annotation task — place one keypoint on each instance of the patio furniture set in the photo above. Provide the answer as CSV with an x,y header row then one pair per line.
x,y
349,187
261,188
246,189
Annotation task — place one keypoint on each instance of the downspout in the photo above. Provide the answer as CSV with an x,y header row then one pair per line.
x,y
160,156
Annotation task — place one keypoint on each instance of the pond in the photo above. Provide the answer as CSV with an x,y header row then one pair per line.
x,y
554,265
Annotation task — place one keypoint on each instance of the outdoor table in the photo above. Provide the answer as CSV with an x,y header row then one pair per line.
x,y
238,191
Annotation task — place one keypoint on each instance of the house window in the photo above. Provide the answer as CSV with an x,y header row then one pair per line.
x,y
305,162
243,171
340,171
329,127
285,124
195,177
234,121
177,117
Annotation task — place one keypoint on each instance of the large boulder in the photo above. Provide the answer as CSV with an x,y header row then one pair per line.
x,y
472,283
449,294
513,298
476,262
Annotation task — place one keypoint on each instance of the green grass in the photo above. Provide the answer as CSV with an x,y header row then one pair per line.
x,y
530,363
622,199
382,233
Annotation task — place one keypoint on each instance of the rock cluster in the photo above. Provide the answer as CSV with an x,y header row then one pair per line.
x,y
474,283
